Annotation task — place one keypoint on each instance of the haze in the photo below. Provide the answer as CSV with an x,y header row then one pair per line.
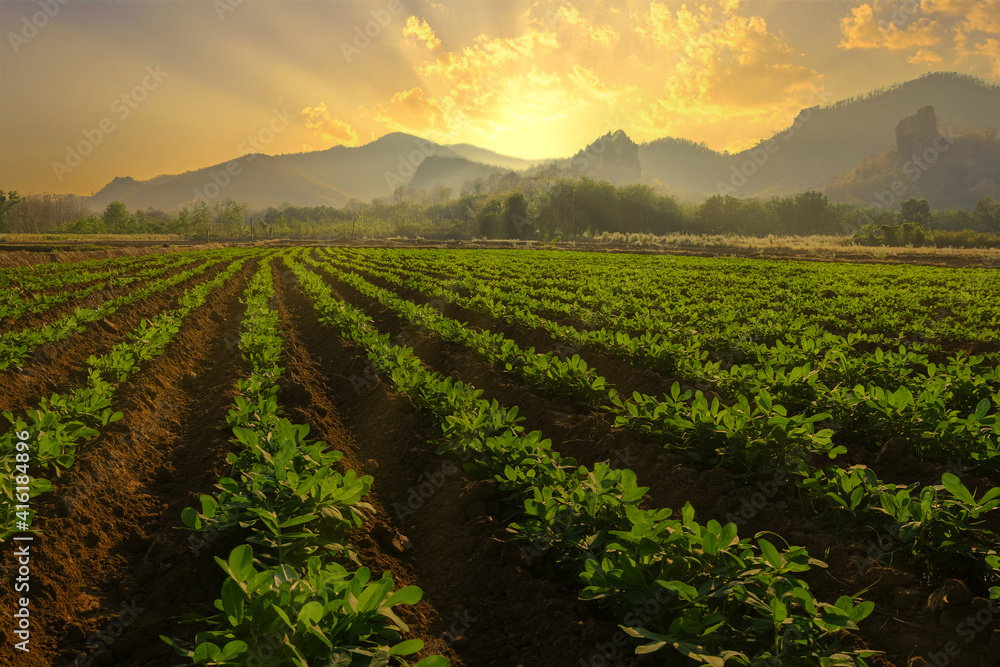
x,y
165,87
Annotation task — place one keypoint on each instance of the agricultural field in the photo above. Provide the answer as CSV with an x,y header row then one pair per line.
x,y
369,456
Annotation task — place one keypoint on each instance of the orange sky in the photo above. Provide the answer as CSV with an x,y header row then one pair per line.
x,y
94,90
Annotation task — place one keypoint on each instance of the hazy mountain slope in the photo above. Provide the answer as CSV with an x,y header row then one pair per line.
x,y
682,165
823,143
330,177
484,156
965,171
452,172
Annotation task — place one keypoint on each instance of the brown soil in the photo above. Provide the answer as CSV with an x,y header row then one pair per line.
x,y
483,606
110,537
61,366
109,541
716,494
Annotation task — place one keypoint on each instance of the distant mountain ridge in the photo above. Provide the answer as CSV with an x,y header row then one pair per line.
x,y
822,142
822,145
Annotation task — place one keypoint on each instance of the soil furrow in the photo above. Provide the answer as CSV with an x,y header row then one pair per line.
x,y
481,602
110,569
54,313
715,494
59,367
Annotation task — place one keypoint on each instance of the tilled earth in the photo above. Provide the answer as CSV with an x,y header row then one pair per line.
x,y
111,569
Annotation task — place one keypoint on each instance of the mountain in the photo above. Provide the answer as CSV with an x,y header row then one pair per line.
x,y
822,142
613,157
330,177
682,165
484,156
820,149
947,168
451,172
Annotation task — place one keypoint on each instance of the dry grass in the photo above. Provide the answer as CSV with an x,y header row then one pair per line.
x,y
84,238
828,246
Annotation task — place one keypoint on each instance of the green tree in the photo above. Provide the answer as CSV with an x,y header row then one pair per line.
x,y
721,214
917,211
231,215
7,201
515,217
488,220
201,219
987,214
117,218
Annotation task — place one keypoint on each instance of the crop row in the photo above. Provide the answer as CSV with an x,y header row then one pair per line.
x,y
718,599
46,275
16,307
293,593
15,346
947,412
62,422
699,339
891,302
755,440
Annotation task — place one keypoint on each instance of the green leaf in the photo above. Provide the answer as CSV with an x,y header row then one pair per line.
x,y
770,553
205,652
405,595
311,612
298,520
407,647
233,649
956,488
241,562
779,610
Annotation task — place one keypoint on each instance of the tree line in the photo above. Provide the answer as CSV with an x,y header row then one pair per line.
x,y
509,207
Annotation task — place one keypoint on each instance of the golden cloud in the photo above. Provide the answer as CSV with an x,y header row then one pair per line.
x,y
924,56
570,16
319,121
990,50
469,68
422,31
722,58
874,26
410,111
581,62
965,27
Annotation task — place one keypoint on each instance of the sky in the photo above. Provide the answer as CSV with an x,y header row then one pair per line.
x,y
94,89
